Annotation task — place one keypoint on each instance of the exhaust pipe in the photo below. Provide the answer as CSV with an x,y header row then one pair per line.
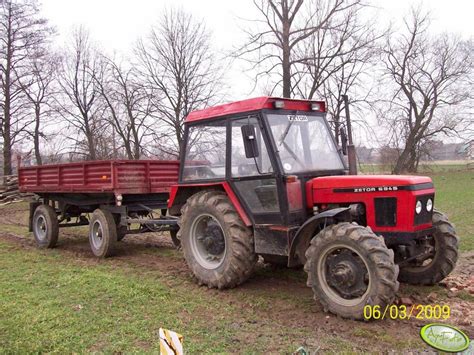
x,y
351,153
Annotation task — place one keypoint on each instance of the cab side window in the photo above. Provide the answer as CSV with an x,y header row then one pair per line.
x,y
241,165
205,156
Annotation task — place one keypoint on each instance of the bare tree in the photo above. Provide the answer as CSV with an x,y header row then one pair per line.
x,y
39,89
335,62
429,77
286,25
21,30
129,106
82,107
181,70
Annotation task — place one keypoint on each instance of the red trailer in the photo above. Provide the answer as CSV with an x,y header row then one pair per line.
x,y
116,193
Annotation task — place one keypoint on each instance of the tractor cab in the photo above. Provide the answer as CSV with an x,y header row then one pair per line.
x,y
266,149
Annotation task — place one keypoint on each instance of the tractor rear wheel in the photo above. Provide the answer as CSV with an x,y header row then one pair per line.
x,y
217,245
45,226
350,267
102,233
440,257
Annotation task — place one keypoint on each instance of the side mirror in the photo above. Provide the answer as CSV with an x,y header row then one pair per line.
x,y
250,141
343,135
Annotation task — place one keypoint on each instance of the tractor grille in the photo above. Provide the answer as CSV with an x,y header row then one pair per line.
x,y
385,211
424,216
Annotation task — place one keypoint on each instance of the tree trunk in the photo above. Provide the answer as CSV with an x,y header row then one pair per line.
x,y
286,66
403,160
91,144
36,137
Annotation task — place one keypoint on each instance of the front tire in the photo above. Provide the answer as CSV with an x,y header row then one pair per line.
x,y
217,245
102,233
350,267
445,243
45,227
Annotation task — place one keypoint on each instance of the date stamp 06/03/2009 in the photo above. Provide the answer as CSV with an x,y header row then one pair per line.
x,y
402,312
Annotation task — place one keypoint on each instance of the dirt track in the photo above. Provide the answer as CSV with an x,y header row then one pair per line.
x,y
137,250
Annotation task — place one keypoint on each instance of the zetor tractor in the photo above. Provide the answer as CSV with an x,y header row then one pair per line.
x,y
265,177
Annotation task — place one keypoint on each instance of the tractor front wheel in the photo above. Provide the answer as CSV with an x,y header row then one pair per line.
x,y
350,267
439,257
217,245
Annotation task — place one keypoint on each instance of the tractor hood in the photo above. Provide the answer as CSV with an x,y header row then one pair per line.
x,y
319,189
344,181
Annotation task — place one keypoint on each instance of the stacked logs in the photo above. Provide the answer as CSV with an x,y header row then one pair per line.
x,y
9,191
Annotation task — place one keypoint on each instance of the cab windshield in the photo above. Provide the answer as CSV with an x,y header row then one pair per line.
x,y
304,143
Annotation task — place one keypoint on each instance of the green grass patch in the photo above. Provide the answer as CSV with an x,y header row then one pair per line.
x,y
52,303
455,197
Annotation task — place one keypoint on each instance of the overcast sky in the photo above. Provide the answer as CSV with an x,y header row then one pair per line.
x,y
116,24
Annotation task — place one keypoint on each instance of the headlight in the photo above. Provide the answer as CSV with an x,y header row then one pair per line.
x,y
418,207
429,205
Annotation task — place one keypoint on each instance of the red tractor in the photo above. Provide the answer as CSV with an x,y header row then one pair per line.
x,y
265,177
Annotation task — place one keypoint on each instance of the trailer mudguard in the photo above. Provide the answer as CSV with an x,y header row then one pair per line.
x,y
310,228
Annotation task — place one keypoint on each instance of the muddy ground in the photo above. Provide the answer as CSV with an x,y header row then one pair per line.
x,y
137,250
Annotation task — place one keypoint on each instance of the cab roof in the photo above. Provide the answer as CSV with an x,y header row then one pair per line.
x,y
258,103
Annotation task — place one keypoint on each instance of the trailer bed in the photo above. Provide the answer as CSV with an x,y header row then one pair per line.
x,y
108,176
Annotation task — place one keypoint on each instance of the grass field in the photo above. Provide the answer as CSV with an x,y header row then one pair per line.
x,y
63,300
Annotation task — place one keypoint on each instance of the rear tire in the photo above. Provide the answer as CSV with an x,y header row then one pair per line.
x,y
446,244
45,226
350,267
102,233
217,245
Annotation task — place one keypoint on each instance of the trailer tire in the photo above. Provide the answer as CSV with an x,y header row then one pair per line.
x,y
217,245
121,232
45,226
350,267
102,233
446,244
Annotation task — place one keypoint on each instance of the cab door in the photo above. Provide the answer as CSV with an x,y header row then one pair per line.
x,y
254,180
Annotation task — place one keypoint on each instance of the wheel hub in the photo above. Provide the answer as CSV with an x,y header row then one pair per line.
x,y
347,274
208,241
41,228
213,239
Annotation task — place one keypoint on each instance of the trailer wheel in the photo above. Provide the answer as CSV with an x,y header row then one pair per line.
x,y
45,226
102,233
440,258
217,245
121,232
350,267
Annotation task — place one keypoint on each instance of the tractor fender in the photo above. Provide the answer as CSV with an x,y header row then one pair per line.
x,y
310,228
180,193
